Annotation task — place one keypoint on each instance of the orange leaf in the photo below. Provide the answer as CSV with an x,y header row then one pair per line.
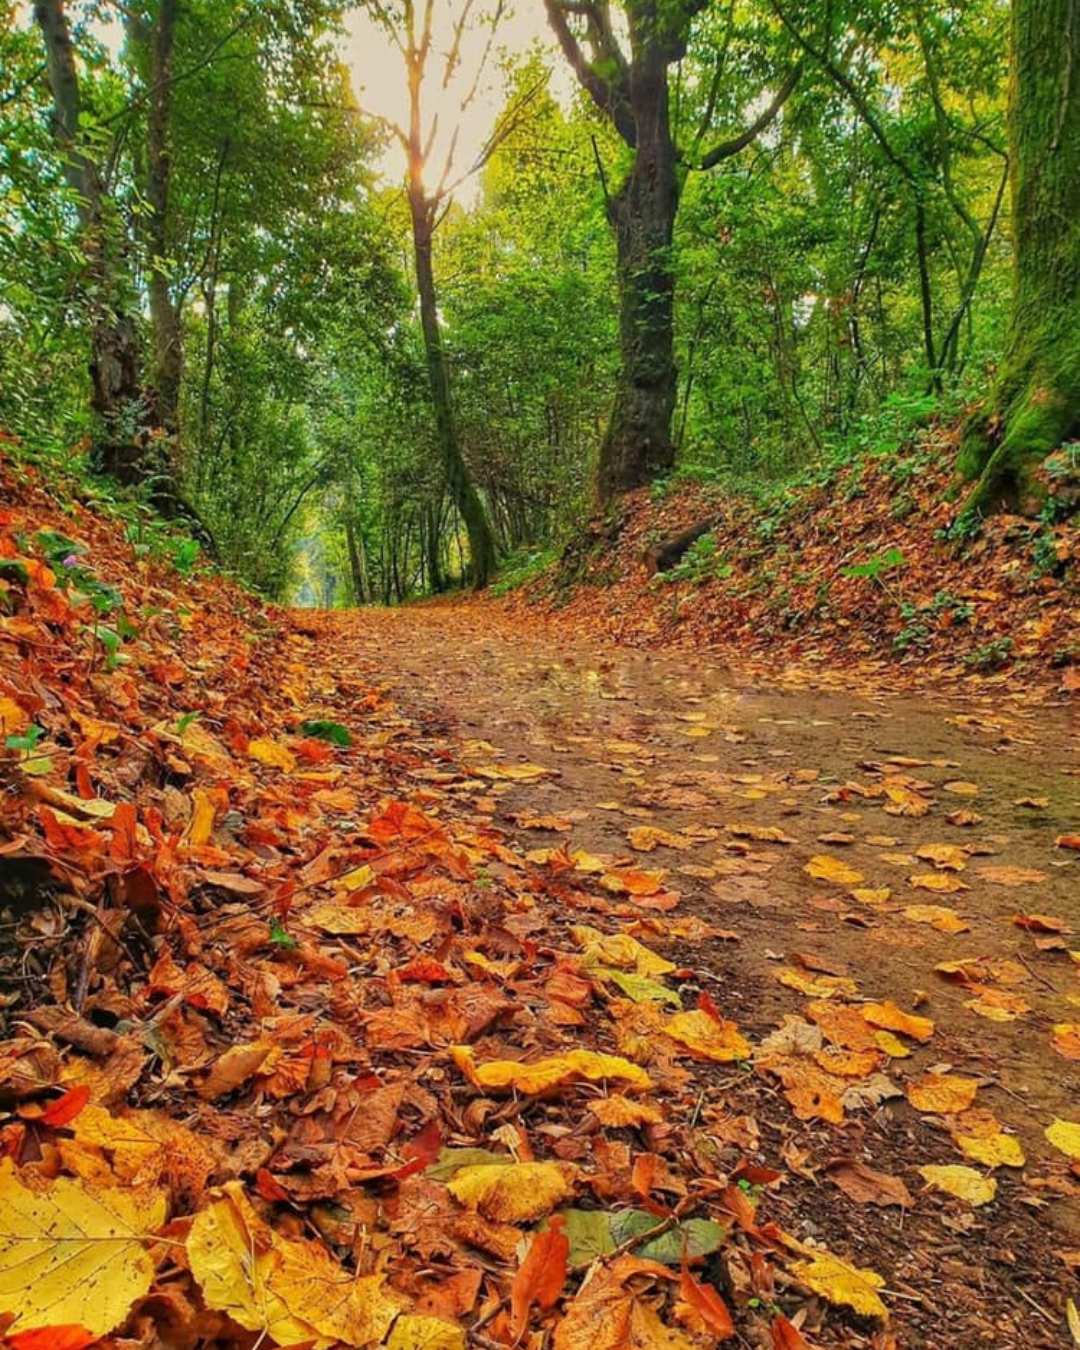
x,y
787,1336
66,1108
421,1151
541,1276
708,1305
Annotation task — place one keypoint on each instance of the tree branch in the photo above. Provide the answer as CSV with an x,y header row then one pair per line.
x,y
730,147
609,94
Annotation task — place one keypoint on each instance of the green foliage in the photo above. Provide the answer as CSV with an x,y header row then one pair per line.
x,y
700,562
522,567
880,565
991,655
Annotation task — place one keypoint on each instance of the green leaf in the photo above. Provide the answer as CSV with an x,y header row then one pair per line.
x,y
333,732
595,1232
639,988
281,937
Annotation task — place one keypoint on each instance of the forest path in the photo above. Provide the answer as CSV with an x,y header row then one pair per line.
x,y
676,742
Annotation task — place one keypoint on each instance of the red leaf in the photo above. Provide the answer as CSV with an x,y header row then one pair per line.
x,y
66,1108
541,1276
423,970
421,1151
708,1304
269,1187
70,1337
708,1007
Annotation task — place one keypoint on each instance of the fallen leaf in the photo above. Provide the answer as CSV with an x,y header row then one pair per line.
x,y
963,1182
1064,1135
545,1074
888,1016
292,1291
512,1192
272,753
824,867
705,1036
1065,1038
866,1186
839,1282
541,1276
943,882
1011,876
959,788
992,1150
942,918
707,1305
619,1112
943,1094
412,1331
73,1256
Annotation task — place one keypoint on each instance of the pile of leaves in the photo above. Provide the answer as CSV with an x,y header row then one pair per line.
x,y
297,1047
871,567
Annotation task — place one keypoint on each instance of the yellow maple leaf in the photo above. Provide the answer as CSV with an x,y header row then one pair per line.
x,y
1064,1135
816,985
272,753
544,1074
333,917
823,867
839,1282
704,1035
292,1291
511,1192
948,856
963,1182
70,1255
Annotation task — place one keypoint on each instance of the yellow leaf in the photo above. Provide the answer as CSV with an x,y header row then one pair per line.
x,y
644,838
1072,1317
618,949
336,918
544,1074
1065,1135
944,1094
358,878
607,1316
412,1332
617,1112
512,1192
961,789
943,882
874,896
941,917
825,868
992,1150
839,1282
289,1290
201,824
69,1255
13,718
903,802
272,753
705,1036
632,881
892,1045
146,1147
888,1016
951,857
963,1182
816,986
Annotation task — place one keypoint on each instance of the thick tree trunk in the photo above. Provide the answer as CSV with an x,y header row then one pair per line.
x,y
120,446
638,445
459,484
1036,404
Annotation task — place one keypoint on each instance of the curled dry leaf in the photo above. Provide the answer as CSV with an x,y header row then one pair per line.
x,y
891,1018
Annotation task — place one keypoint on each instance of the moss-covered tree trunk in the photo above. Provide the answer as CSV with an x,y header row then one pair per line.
x,y
1036,402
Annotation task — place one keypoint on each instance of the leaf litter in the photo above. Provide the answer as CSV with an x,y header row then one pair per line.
x,y
316,1051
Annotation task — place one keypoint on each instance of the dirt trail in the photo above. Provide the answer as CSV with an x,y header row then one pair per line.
x,y
678,743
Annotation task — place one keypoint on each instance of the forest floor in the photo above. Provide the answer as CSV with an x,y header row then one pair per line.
x,y
338,950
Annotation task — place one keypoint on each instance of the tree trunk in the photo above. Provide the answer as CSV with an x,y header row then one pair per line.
x,y
120,445
356,566
637,444
458,482
1036,403
164,313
